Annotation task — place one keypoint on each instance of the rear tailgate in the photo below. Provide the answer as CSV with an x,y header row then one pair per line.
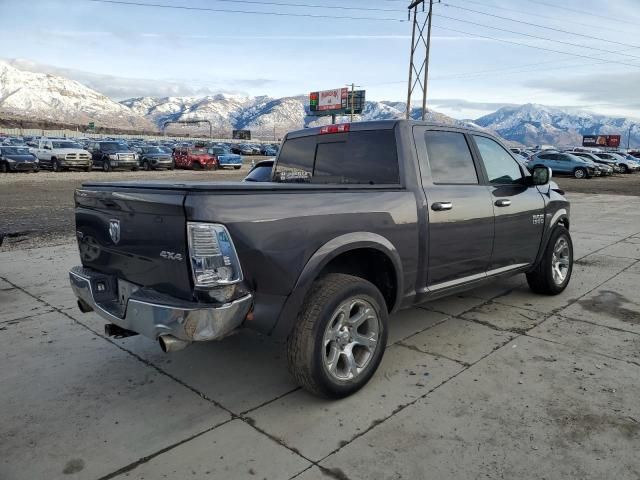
x,y
134,234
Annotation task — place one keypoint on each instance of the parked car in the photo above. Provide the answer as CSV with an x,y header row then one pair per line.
x,y
626,165
17,159
113,155
268,150
225,158
13,141
243,149
195,158
324,256
60,154
610,165
154,158
260,172
565,163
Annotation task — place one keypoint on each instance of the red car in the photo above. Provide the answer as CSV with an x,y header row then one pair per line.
x,y
194,158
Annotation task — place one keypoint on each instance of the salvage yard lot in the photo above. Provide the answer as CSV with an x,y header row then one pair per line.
x,y
496,383
37,209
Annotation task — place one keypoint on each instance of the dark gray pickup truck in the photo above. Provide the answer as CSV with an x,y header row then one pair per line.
x,y
359,221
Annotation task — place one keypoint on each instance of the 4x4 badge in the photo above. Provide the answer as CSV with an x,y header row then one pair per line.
x,y
114,230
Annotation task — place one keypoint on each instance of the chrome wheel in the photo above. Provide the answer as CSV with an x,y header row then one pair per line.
x,y
351,339
579,173
560,261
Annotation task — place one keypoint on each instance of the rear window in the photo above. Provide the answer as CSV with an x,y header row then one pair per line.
x,y
367,157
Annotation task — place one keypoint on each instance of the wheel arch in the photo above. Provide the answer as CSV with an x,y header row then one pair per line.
x,y
560,217
360,254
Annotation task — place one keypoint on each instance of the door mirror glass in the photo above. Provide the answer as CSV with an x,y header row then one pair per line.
x,y
541,175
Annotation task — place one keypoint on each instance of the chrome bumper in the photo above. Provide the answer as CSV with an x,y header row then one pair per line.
x,y
153,314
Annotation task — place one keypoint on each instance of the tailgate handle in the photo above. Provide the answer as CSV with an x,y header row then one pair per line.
x,y
439,206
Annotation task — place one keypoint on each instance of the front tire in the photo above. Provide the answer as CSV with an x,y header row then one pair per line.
x,y
146,166
551,276
106,165
55,166
237,167
4,168
340,336
624,169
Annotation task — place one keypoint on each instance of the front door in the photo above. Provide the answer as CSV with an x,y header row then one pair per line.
x,y
518,208
460,214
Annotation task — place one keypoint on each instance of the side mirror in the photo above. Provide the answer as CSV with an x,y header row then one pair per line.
x,y
541,175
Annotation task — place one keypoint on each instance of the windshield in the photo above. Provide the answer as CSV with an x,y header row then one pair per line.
x,y
261,173
153,150
15,151
65,145
198,151
114,147
218,151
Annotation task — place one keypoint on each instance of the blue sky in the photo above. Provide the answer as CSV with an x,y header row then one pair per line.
x,y
126,51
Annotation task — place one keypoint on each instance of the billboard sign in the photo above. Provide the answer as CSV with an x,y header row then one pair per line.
x,y
336,102
612,141
241,134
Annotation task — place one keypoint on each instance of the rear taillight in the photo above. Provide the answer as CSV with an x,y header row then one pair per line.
x,y
214,261
342,128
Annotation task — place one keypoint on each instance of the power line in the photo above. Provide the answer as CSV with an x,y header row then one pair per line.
x,y
537,37
534,47
305,5
251,12
538,15
591,37
575,10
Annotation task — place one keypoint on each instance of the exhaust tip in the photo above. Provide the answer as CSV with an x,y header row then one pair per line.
x,y
169,343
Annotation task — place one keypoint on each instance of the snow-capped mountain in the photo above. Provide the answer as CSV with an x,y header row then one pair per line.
x,y
42,96
260,114
533,124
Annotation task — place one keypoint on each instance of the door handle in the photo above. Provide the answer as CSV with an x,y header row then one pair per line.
x,y
439,206
503,202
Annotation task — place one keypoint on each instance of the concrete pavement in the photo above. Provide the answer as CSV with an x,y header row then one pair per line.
x,y
495,383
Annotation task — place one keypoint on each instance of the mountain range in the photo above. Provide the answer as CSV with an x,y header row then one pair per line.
x,y
39,96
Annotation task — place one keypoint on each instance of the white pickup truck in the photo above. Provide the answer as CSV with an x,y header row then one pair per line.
x,y
62,154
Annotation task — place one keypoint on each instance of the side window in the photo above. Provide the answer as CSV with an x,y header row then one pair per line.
x,y
561,158
546,156
450,158
501,167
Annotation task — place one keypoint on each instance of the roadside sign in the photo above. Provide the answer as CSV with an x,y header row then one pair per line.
x,y
92,125
336,102
612,141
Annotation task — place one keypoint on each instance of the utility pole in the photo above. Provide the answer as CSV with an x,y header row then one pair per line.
x,y
419,45
353,90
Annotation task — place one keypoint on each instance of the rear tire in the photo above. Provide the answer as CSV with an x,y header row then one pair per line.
x,y
580,173
237,167
551,276
4,168
340,336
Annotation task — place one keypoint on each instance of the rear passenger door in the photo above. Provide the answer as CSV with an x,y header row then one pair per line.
x,y
518,208
460,223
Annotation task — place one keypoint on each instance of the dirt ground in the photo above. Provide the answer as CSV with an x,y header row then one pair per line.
x,y
37,209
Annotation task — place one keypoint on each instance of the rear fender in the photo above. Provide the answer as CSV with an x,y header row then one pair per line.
x,y
320,259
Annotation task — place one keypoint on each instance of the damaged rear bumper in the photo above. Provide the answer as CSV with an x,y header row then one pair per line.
x,y
153,314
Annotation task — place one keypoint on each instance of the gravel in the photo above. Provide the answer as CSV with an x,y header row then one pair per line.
x,y
37,208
